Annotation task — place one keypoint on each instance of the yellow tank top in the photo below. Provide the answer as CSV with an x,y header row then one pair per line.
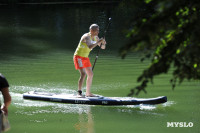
x,y
83,50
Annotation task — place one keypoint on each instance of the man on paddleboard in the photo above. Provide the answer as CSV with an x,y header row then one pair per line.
x,y
81,61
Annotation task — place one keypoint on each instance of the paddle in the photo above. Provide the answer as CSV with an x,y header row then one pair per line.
x,y
109,21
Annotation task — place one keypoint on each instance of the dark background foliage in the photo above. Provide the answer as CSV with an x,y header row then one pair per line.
x,y
168,33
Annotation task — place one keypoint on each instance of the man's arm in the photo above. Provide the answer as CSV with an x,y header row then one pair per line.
x,y
86,39
7,100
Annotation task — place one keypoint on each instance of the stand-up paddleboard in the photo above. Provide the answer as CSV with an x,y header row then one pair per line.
x,y
100,100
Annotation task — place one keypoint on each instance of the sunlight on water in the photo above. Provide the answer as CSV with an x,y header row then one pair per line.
x,y
43,88
45,107
169,103
41,106
110,86
38,121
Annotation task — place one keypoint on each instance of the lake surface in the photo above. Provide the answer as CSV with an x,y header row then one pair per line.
x,y
36,53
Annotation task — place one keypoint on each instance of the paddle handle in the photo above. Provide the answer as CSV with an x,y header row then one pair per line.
x,y
101,43
96,57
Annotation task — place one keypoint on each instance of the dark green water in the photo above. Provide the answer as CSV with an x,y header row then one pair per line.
x,y
36,51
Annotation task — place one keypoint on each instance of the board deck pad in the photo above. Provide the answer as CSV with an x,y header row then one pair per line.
x,y
100,100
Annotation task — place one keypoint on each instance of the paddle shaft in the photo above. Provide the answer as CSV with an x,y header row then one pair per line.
x,y
101,44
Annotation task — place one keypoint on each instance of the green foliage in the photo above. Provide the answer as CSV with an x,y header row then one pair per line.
x,y
168,32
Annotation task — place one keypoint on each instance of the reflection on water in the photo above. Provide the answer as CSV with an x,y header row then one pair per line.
x,y
85,122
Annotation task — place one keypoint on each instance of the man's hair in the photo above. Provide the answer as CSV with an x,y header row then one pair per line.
x,y
93,27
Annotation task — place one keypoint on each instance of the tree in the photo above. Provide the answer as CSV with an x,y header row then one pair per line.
x,y
168,33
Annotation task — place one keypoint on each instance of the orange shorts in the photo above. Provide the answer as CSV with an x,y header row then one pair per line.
x,y
81,62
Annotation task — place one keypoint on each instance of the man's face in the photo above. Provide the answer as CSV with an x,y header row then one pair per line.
x,y
95,32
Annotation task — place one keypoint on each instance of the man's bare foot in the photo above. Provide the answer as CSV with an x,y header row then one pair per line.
x,y
91,95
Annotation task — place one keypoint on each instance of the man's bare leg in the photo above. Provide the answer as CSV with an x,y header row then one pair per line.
x,y
89,73
81,79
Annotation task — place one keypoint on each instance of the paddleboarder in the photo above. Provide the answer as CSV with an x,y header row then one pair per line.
x,y
81,60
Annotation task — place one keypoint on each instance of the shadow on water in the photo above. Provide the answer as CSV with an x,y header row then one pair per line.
x,y
31,30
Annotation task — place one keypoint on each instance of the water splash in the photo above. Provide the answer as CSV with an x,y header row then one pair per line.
x,y
169,103
43,88
37,107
